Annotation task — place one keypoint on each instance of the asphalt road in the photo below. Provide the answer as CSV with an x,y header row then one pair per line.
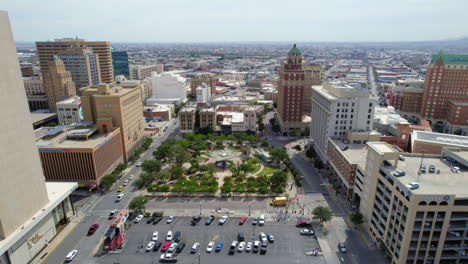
x,y
95,209
289,246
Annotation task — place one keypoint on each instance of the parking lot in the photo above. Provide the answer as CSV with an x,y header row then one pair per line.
x,y
288,247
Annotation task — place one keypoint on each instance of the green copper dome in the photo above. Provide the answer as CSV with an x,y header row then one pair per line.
x,y
294,50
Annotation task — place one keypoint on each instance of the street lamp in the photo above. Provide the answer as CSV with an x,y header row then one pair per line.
x,y
200,208
249,208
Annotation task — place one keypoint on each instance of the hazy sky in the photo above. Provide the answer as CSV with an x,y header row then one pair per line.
x,y
238,20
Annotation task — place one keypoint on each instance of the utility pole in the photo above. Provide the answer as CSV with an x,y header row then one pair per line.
x,y
249,208
200,208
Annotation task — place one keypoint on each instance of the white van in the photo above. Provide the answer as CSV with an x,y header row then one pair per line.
x,y
119,197
261,220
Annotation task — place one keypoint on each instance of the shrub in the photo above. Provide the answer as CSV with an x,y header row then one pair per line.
x,y
147,214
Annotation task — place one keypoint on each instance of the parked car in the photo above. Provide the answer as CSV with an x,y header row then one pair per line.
x,y
177,236
210,220
130,176
248,246
125,183
263,247
399,173
413,185
422,168
261,220
303,223
150,246
180,247
157,245
150,220
262,237
342,248
195,247
254,221
137,219
157,219
223,219
343,148
219,246
270,238
240,236
172,247
168,257
242,220
195,220
233,247
169,236
401,157
93,229
155,236
256,246
112,214
170,219
71,255
307,232
121,188
241,246
210,247
138,164
432,169
165,246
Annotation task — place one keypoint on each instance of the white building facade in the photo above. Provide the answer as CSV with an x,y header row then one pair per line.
x,y
33,86
168,88
69,111
203,93
337,109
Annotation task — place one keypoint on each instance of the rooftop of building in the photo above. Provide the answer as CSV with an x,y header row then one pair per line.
x,y
355,154
36,117
156,108
109,89
439,138
452,59
387,116
71,100
294,50
79,136
56,192
443,182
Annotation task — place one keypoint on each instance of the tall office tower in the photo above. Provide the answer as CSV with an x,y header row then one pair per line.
x,y
83,65
45,51
446,89
58,83
313,75
116,105
291,95
204,78
337,109
120,63
31,209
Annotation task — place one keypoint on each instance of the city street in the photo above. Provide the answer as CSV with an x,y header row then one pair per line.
x,y
95,209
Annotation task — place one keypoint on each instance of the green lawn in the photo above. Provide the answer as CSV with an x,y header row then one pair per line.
x,y
267,170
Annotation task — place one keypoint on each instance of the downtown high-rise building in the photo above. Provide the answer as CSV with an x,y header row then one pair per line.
x,y
120,63
445,96
83,65
32,211
58,83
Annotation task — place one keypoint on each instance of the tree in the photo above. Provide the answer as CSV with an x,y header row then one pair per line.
x,y
323,214
147,178
151,166
138,204
178,155
107,181
278,154
177,172
278,178
356,217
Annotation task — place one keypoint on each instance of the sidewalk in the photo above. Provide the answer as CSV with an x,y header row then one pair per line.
x,y
42,256
328,252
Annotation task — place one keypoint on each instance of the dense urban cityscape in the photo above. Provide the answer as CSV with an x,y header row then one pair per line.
x,y
228,152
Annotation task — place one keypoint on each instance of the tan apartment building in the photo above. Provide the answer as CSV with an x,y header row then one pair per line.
x,y
32,211
113,105
186,117
141,72
313,75
416,216
199,80
208,118
33,86
58,82
79,153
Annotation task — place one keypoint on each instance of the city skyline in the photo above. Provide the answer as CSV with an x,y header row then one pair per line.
x,y
161,21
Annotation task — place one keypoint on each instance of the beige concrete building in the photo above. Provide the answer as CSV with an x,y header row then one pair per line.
x,y
69,111
31,209
33,86
207,79
208,118
59,83
116,105
421,216
47,49
432,143
140,72
313,75
186,117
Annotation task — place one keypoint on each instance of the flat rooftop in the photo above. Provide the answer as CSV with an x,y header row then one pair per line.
x,y
355,154
445,182
56,192
438,138
61,140
36,117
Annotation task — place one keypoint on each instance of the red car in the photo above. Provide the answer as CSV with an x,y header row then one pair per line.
x,y
242,220
303,223
165,246
93,229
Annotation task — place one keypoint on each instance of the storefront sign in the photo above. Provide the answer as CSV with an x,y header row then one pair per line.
x,y
434,197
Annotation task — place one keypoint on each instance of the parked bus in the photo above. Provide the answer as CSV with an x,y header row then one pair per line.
x,y
279,201
113,238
